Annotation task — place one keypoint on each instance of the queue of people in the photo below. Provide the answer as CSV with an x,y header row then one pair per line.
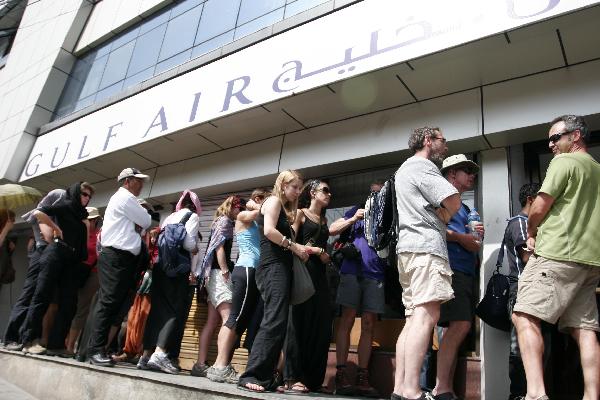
x,y
97,271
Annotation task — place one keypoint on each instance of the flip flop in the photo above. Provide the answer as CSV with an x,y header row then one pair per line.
x,y
297,389
247,389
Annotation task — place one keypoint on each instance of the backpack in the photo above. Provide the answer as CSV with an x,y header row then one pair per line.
x,y
173,259
381,218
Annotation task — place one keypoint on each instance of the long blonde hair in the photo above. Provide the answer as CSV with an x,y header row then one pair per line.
x,y
284,178
226,206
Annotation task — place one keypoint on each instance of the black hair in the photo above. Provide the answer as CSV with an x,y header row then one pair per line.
x,y
528,190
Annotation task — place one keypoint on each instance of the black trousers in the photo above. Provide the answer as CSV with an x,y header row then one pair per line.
x,y
168,297
19,310
116,269
57,266
273,282
309,333
182,316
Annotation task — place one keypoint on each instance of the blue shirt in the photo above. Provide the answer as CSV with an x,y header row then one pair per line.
x,y
461,259
249,246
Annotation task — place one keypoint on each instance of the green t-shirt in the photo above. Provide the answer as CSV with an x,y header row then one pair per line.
x,y
571,229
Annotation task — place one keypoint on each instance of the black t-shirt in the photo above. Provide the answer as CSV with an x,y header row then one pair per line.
x,y
515,237
73,229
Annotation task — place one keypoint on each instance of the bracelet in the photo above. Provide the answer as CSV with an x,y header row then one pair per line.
x,y
224,272
321,251
283,240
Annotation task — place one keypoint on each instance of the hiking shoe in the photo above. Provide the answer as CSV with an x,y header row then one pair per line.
x,y
343,386
226,374
14,346
363,388
199,370
34,348
160,362
143,363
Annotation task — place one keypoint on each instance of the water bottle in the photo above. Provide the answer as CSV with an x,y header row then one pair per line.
x,y
473,220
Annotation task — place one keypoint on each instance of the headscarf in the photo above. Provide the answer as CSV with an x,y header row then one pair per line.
x,y
73,201
221,230
194,197
52,198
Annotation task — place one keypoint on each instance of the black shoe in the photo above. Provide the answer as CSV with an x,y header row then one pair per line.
x,y
102,360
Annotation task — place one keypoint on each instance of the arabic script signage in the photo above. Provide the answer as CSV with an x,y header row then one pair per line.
x,y
363,37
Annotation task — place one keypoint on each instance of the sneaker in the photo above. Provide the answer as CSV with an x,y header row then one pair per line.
x,y
199,370
363,388
34,348
160,362
343,386
14,346
143,363
227,374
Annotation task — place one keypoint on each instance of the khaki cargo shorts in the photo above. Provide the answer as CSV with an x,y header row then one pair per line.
x,y
424,278
559,291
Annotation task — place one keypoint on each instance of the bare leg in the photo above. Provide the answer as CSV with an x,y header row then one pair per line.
x,y
400,350
589,351
207,333
71,339
531,344
342,343
365,342
424,318
47,323
447,356
226,338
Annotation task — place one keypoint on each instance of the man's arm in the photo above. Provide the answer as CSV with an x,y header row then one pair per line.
x,y
539,209
342,224
450,206
466,240
136,213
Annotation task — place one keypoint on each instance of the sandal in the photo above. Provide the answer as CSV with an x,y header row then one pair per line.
x,y
298,389
249,389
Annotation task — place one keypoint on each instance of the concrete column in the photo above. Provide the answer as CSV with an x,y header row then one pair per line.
x,y
495,195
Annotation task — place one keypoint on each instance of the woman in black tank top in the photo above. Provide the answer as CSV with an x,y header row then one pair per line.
x,y
309,324
273,278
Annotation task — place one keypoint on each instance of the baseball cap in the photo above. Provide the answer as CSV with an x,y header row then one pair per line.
x,y
458,159
131,172
92,212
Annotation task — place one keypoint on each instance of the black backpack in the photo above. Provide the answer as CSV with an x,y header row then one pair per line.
x,y
173,259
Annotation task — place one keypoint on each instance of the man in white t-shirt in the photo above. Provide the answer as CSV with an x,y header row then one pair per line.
x,y
426,201
121,242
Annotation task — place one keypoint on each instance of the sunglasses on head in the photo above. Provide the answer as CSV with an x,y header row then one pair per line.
x,y
556,137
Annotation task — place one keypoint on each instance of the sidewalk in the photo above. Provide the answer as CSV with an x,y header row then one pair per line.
x,y
8,391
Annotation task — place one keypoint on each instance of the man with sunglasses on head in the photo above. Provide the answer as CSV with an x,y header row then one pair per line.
x,y
457,314
426,202
124,220
560,279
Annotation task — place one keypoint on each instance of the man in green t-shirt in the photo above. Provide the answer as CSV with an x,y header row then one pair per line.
x,y
559,282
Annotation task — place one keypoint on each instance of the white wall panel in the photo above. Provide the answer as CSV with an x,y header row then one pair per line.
x,y
539,98
457,115
494,180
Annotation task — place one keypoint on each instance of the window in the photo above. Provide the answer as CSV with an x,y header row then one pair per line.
x,y
183,30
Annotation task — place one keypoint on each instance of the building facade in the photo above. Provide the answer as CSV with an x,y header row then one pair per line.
x,y
219,96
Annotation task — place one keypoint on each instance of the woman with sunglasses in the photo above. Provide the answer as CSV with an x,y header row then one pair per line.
x,y
273,279
215,274
309,325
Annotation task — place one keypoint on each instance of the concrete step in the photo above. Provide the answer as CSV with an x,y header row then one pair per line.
x,y
53,378
8,391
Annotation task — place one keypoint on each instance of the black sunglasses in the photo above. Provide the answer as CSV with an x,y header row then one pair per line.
x,y
325,190
556,137
86,194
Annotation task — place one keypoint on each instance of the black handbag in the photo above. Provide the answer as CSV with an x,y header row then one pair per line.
x,y
492,309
